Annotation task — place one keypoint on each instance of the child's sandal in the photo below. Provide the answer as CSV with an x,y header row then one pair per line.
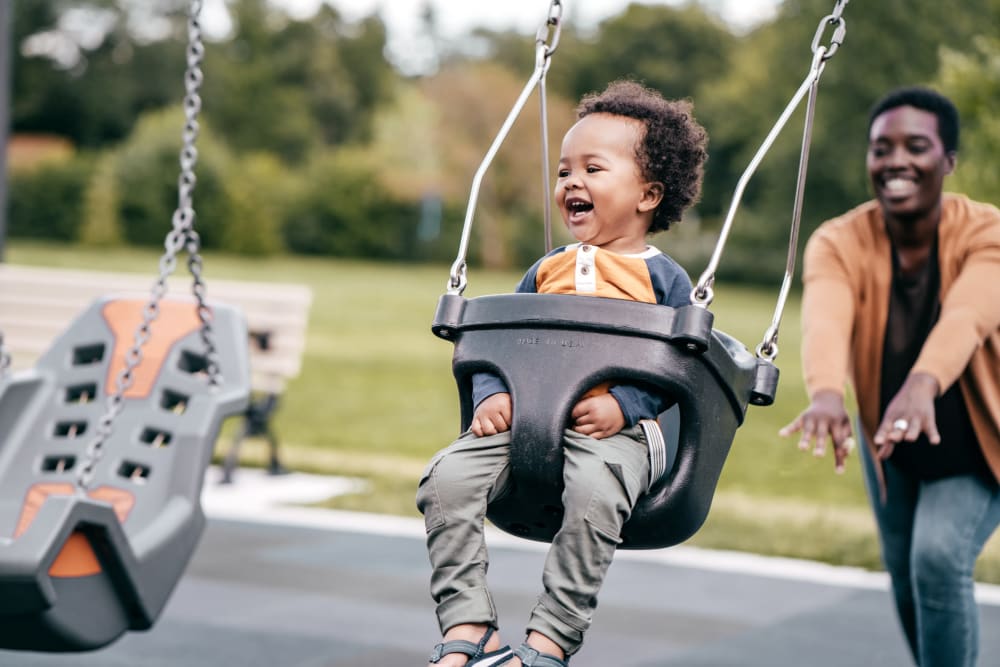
x,y
474,651
533,658
501,656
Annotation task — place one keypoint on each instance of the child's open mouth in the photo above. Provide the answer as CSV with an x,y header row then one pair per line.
x,y
578,208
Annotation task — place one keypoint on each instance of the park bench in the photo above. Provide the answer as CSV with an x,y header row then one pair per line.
x,y
38,303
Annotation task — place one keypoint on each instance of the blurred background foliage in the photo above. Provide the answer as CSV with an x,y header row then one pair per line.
x,y
315,143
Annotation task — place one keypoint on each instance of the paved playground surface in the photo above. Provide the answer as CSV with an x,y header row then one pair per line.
x,y
285,586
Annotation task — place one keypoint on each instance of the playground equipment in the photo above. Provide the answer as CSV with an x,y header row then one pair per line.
x,y
99,501
572,343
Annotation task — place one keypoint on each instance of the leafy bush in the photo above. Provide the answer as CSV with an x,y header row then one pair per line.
x,y
344,211
134,195
256,196
46,202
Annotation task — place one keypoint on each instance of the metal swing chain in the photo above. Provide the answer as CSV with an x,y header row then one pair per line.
x,y
181,237
768,347
702,295
546,42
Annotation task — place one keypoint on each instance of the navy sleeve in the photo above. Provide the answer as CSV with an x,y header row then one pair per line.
x,y
485,385
637,403
670,281
527,284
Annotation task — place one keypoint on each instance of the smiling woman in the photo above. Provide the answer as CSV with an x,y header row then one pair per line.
x,y
905,292
908,159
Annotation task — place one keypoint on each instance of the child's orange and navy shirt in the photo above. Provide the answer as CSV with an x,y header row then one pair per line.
x,y
649,276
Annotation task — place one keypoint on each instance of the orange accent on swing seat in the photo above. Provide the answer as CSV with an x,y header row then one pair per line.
x,y
176,320
77,557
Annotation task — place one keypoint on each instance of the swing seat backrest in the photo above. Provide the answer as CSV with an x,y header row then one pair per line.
x,y
79,569
550,349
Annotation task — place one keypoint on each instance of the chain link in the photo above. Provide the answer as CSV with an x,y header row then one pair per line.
x,y
182,236
546,41
549,32
839,24
838,9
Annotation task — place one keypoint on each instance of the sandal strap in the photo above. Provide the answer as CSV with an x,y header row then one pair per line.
x,y
460,646
533,658
454,646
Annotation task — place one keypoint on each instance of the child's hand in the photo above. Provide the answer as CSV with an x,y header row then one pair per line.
x,y
598,416
492,416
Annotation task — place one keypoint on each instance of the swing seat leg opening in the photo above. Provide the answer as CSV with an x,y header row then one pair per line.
x,y
96,621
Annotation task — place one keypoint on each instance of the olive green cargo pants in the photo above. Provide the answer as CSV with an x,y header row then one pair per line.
x,y
603,480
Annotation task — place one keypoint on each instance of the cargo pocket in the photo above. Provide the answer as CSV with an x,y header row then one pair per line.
x,y
428,501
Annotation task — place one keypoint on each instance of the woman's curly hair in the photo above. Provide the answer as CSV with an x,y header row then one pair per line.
x,y
672,150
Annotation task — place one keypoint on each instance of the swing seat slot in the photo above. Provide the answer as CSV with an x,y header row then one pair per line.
x,y
78,570
550,349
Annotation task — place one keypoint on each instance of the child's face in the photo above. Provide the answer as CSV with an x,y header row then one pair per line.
x,y
600,190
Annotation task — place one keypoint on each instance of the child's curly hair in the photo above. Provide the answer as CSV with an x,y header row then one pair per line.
x,y
672,150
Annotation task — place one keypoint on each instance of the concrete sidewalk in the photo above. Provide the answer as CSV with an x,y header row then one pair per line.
x,y
256,496
275,585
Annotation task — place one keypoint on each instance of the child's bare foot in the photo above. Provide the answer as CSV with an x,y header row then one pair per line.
x,y
473,633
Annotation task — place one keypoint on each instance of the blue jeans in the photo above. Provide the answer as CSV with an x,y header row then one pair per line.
x,y
932,533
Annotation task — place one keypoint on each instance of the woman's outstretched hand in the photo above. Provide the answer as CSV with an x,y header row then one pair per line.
x,y
825,419
909,413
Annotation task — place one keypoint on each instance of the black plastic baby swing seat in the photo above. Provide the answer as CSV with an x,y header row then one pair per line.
x,y
78,569
550,349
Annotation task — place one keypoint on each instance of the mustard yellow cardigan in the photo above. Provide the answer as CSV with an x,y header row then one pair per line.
x,y
847,273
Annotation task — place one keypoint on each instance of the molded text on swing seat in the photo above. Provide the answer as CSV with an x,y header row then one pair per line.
x,y
539,340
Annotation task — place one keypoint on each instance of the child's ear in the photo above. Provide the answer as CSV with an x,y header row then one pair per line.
x,y
652,195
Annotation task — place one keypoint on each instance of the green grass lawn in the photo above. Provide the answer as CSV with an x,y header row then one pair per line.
x,y
376,399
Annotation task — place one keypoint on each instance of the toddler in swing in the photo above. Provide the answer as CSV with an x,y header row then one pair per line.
x,y
629,167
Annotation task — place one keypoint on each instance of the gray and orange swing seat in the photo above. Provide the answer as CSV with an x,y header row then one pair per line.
x,y
78,568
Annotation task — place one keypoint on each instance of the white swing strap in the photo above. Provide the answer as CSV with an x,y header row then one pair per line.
x,y
657,446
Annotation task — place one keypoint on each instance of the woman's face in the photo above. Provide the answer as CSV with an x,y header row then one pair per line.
x,y
907,162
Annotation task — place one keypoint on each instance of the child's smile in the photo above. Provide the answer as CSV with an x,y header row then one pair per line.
x,y
577,209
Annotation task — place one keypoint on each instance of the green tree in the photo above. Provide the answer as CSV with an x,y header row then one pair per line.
x,y
889,43
90,90
289,86
971,78
343,210
676,50
132,195
472,101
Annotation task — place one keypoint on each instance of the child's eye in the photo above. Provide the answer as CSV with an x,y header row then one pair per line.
x,y
563,173
592,169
